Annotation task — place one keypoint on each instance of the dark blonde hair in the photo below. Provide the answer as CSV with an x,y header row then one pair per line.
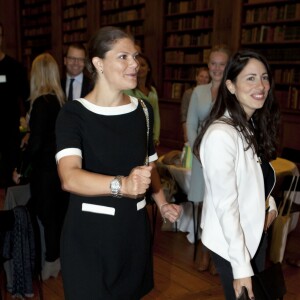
x,y
45,79
102,42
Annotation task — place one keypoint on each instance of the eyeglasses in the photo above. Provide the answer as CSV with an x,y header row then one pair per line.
x,y
76,59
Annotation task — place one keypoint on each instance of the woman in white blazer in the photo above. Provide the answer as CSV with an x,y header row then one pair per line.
x,y
236,144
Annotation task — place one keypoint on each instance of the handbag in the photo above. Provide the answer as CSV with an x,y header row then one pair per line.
x,y
280,227
267,285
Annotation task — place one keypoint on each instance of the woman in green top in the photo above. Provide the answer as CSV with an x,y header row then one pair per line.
x,y
145,90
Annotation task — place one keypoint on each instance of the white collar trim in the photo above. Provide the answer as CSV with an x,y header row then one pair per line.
x,y
108,110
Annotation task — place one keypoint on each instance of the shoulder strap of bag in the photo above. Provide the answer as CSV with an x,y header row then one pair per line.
x,y
145,109
287,196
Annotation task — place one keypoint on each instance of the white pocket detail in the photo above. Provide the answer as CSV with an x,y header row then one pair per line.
x,y
98,209
141,204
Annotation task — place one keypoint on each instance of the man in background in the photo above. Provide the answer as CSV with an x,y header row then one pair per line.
x,y
76,84
14,91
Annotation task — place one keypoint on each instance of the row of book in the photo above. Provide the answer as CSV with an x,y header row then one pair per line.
x,y
115,4
74,2
38,31
75,24
73,12
182,57
289,99
134,30
287,75
270,34
282,54
175,90
44,7
124,16
42,20
189,40
272,13
176,7
180,73
198,22
75,37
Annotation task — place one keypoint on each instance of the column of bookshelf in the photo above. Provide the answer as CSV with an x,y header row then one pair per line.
x,y
273,29
35,28
128,15
188,37
74,24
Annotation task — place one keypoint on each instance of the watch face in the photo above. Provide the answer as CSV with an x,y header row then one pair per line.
x,y
115,184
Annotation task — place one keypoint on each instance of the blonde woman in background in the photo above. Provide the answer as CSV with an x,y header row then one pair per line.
x,y
48,202
202,100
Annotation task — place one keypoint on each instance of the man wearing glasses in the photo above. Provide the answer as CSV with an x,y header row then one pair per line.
x,y
76,84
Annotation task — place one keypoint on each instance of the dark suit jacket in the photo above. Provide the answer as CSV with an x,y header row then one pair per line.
x,y
87,85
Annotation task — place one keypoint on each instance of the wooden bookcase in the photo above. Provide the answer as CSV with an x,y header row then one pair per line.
x,y
188,37
74,22
176,36
127,14
36,30
272,28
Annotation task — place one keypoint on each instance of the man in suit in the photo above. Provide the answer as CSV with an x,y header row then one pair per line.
x,y
74,61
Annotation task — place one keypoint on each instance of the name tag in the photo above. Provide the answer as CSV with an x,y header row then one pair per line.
x,y
2,78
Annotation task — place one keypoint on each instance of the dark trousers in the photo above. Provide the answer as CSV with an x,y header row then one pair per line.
x,y
49,203
224,269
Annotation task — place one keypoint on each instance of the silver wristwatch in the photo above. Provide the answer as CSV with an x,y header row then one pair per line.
x,y
115,186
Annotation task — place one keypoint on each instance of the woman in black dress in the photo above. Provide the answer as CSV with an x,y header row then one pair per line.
x,y
103,154
47,201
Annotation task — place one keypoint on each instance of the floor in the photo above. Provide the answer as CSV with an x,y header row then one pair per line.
x,y
176,275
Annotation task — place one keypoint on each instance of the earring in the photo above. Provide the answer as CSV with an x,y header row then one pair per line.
x,y
101,71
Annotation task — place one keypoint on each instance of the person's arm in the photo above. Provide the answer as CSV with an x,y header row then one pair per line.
x,y
168,210
271,213
184,111
192,122
78,181
218,156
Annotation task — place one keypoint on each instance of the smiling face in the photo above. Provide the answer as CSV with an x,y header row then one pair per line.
x,y
251,87
120,65
74,61
216,65
202,77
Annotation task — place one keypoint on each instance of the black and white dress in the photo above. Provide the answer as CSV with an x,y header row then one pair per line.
x,y
105,245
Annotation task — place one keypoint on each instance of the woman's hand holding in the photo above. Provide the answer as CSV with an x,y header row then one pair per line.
x,y
16,176
170,211
239,283
270,217
137,182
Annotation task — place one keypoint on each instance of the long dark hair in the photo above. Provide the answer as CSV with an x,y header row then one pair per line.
x,y
262,137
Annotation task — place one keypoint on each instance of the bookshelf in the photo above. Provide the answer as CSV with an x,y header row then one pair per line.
x,y
188,37
36,30
272,28
74,22
126,14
